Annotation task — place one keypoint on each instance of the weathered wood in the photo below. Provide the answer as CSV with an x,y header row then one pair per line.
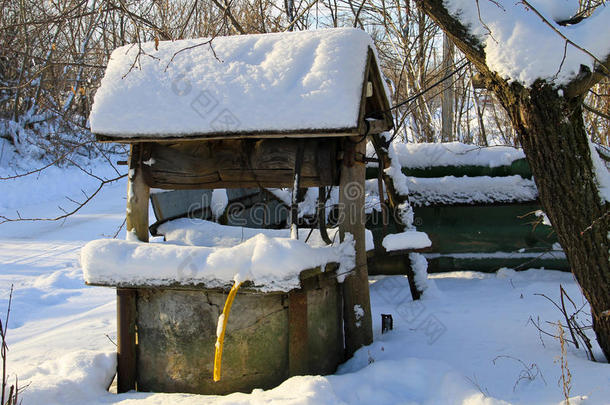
x,y
136,221
298,359
376,126
240,164
138,193
294,204
257,352
518,167
126,339
395,200
144,138
321,215
377,106
481,228
358,327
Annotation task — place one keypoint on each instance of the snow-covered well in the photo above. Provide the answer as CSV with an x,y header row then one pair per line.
x,y
248,111
291,297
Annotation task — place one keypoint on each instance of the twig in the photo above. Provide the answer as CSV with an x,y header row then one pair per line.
x,y
483,22
119,230
526,373
227,12
565,314
568,40
4,348
188,19
595,222
301,14
595,111
208,42
19,218
59,159
111,341
577,331
474,380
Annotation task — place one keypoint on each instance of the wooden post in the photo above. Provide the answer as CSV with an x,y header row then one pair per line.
x,y
294,205
358,327
137,222
298,342
126,339
394,199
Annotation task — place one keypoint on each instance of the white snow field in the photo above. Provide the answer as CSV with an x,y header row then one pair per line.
x,y
467,343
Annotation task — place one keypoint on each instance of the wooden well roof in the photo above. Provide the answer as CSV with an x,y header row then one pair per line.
x,y
297,84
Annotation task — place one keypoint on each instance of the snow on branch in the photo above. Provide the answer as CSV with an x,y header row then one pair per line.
x,y
523,41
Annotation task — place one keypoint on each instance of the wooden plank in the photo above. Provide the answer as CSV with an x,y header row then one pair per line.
x,y
126,339
298,358
138,194
364,100
279,182
492,265
308,278
294,203
484,228
240,164
143,138
395,200
136,221
378,105
518,167
358,328
377,126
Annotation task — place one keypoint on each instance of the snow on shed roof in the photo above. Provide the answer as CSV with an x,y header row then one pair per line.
x,y
308,81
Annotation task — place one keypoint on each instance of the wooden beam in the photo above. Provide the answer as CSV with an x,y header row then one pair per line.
x,y
378,106
240,164
144,138
126,339
358,326
395,199
298,359
138,193
377,126
137,222
294,204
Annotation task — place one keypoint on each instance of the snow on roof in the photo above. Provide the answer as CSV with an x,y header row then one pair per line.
x,y
423,155
470,190
520,46
280,82
272,264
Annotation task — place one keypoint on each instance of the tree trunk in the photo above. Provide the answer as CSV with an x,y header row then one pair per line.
x,y
553,136
447,95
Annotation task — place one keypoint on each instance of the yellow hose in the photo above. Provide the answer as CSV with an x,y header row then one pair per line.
x,y
221,338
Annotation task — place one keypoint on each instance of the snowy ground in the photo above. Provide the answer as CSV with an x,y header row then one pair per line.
x,y
441,351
